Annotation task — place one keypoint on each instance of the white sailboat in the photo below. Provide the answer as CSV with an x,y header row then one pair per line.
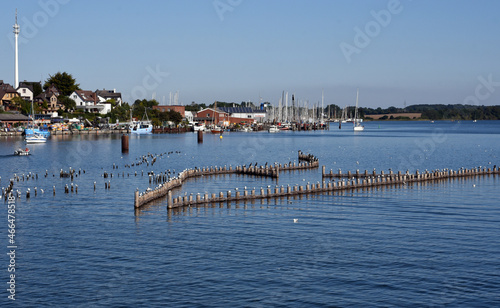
x,y
34,137
357,122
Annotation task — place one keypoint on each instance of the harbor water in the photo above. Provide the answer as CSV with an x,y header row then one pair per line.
x,y
426,244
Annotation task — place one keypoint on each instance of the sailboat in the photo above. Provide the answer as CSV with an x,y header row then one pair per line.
x,y
33,136
216,129
357,122
31,129
142,127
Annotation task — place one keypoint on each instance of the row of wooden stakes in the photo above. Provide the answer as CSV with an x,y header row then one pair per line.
x,y
324,187
163,189
370,180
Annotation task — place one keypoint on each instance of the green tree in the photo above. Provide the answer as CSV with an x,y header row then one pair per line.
x,y
24,106
175,116
37,87
69,103
64,82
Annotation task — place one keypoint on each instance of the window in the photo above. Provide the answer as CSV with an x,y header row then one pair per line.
x,y
24,90
249,116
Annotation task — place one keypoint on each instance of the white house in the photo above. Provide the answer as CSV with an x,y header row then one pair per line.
x,y
245,112
189,116
25,91
90,102
110,95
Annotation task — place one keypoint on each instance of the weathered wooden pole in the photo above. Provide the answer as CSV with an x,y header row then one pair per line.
x,y
124,143
200,136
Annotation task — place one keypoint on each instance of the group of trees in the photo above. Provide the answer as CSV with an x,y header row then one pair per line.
x,y
443,112
140,109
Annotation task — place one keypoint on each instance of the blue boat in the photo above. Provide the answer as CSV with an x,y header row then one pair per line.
x,y
31,130
38,131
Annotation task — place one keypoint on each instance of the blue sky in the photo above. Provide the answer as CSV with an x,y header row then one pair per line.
x,y
418,52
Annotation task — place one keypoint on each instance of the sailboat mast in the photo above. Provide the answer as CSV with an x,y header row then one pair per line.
x,y
356,111
322,99
286,107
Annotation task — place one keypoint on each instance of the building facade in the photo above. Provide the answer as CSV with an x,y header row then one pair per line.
x,y
25,91
177,108
219,117
89,101
7,94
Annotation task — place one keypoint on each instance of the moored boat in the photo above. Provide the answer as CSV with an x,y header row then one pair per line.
x,y
357,122
35,138
216,130
143,127
274,129
31,131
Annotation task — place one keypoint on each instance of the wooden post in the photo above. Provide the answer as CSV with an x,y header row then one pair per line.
x,y
124,143
136,199
200,136
169,199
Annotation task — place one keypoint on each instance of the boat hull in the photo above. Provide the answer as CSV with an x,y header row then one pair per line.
x,y
35,140
142,129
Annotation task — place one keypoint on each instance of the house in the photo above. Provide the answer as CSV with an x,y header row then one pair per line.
x,y
210,116
220,117
7,93
25,90
50,96
89,101
52,88
106,95
177,108
245,113
189,116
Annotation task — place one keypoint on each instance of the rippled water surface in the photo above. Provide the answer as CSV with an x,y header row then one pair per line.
x,y
428,244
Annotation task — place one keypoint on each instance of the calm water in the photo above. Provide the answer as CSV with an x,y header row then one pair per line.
x,y
422,245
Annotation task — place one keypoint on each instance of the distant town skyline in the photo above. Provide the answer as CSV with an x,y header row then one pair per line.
x,y
395,52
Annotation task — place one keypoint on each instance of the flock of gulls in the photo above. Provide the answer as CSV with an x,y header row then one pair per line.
x,y
73,174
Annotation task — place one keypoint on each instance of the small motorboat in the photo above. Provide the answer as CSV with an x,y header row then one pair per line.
x,y
22,152
274,129
216,130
